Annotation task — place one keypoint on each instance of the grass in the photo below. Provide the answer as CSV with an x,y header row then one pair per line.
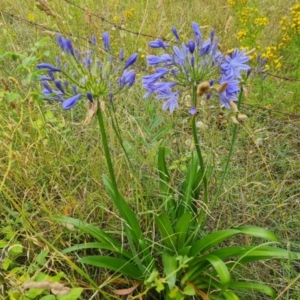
x,y
52,164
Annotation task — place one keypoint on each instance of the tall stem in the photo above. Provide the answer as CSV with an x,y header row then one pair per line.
x,y
200,157
106,148
220,186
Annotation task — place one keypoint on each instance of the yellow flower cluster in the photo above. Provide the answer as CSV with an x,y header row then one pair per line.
x,y
232,3
242,34
295,13
246,14
116,18
251,23
271,55
31,17
129,13
262,21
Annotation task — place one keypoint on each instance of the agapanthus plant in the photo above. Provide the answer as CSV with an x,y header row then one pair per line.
x,y
184,261
85,75
195,63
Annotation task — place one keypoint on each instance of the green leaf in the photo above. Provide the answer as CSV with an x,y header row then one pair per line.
x,y
73,294
165,227
229,295
188,185
41,258
3,244
254,286
189,290
13,96
97,245
182,228
48,297
211,240
221,269
163,170
254,253
95,232
258,232
170,266
119,265
125,211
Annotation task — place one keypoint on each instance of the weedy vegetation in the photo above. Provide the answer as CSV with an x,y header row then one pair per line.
x,y
149,149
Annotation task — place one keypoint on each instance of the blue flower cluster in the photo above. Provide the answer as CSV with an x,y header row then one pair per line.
x,y
197,63
85,74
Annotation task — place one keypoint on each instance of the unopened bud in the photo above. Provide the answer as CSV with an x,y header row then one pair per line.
x,y
234,120
223,87
233,106
203,88
242,117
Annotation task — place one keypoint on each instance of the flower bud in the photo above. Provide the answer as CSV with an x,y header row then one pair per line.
x,y
233,106
234,120
203,88
242,117
223,87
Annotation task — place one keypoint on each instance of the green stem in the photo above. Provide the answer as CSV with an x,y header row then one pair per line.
x,y
106,149
220,186
200,157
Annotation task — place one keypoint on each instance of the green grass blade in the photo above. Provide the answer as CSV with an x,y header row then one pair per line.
x,y
254,286
94,231
211,240
125,211
188,186
229,295
182,228
97,245
170,265
221,269
119,265
258,232
165,227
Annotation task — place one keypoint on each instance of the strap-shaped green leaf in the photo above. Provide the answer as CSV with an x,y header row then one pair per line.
x,y
258,232
188,186
254,286
211,240
170,265
229,295
164,175
94,231
100,245
221,269
182,228
119,265
125,211
165,227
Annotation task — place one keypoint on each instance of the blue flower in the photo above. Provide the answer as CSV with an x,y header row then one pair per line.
x,y
193,110
69,103
65,44
59,85
175,32
89,96
153,60
93,40
128,78
106,42
171,97
236,63
158,44
191,46
48,67
197,33
229,91
131,60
